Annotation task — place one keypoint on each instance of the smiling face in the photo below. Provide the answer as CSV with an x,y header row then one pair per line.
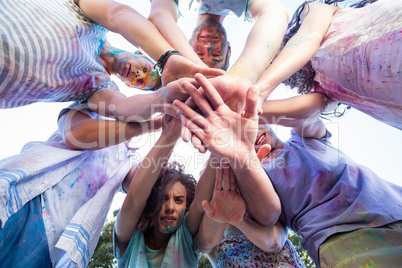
x,y
171,215
210,43
136,70
264,136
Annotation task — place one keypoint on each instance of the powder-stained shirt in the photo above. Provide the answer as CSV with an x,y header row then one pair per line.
x,y
323,191
49,53
359,62
178,252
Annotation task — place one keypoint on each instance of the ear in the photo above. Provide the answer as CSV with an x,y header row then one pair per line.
x,y
264,151
229,49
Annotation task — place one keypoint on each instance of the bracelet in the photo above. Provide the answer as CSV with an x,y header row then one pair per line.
x,y
163,59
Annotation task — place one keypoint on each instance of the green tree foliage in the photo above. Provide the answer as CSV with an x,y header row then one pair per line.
x,y
296,240
203,261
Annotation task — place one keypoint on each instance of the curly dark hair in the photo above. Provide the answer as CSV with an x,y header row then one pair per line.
x,y
303,79
172,173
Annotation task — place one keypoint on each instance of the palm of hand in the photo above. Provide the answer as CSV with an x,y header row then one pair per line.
x,y
228,206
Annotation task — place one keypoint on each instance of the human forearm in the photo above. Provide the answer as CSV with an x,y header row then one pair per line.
x,y
204,190
137,108
209,234
262,42
93,134
164,16
267,238
295,111
262,202
300,48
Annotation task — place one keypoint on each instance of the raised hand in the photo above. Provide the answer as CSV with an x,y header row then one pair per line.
x,y
224,132
227,204
178,67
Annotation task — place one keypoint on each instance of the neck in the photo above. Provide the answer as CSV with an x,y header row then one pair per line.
x,y
217,18
155,240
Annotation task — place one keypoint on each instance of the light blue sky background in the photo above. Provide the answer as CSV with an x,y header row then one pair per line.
x,y
366,140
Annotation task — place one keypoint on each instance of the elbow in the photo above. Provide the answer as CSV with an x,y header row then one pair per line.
x,y
270,215
273,247
72,139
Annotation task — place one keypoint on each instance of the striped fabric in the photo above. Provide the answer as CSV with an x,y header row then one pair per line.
x,y
49,52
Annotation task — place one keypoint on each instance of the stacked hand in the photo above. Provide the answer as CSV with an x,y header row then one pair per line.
x,y
220,129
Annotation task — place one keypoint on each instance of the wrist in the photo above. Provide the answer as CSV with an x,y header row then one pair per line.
x,y
160,64
244,161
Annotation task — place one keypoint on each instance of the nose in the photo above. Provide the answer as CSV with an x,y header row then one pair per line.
x,y
138,73
169,206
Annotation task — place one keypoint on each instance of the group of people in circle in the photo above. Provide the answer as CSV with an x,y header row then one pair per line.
x,y
55,195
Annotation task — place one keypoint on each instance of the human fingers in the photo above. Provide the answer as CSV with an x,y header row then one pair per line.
x,y
209,210
185,134
218,178
210,72
195,117
198,144
251,108
198,99
210,91
226,177
263,151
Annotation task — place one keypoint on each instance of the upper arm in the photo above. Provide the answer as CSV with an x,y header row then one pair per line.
x,y
103,12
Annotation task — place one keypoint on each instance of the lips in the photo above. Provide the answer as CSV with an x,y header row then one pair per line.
x,y
168,219
260,139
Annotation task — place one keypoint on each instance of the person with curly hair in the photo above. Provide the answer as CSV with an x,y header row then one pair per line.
x,y
351,55
158,219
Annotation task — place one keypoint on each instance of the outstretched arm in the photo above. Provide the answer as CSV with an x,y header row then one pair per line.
x,y
80,131
299,49
142,183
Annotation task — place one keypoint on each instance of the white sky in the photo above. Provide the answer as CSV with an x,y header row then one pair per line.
x,y
366,140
